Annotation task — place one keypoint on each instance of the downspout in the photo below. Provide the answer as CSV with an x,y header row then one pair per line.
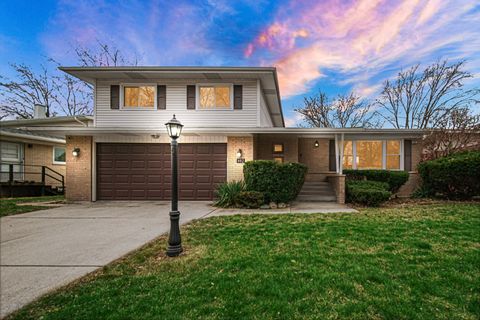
x,y
82,123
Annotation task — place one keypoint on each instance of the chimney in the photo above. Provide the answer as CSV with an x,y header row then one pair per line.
x,y
39,111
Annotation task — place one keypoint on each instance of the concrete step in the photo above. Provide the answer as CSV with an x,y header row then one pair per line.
x,y
323,193
317,198
316,183
317,188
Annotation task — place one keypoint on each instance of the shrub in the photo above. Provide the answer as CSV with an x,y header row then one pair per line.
x,y
395,179
456,176
228,193
369,193
280,182
251,199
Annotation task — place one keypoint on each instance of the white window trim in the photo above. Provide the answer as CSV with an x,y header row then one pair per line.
x,y
384,153
197,95
19,152
53,156
122,96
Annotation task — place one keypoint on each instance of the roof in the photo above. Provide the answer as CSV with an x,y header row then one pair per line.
x,y
76,120
307,132
20,134
267,76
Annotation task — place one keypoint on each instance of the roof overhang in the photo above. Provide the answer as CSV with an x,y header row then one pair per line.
x,y
56,121
267,76
25,137
247,131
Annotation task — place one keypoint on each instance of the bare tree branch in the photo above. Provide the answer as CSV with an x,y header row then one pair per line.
x,y
345,111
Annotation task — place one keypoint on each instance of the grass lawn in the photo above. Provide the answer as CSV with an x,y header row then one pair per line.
x,y
10,206
415,262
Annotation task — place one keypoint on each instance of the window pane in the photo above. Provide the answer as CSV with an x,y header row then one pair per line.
x,y
222,97
278,159
59,154
278,148
347,154
369,154
393,147
207,97
10,151
146,97
393,162
131,96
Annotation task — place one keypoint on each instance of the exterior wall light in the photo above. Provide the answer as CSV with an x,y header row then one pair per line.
x,y
76,152
316,144
155,136
239,153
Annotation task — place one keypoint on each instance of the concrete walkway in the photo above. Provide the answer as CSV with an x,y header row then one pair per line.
x,y
44,250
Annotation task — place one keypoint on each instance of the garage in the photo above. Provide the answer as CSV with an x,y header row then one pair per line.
x,y
135,171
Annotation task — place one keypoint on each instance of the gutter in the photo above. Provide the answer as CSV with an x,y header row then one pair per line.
x,y
30,137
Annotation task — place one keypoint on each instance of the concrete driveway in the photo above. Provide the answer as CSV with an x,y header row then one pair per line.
x,y
47,249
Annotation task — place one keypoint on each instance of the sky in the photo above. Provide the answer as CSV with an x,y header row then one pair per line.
x,y
334,46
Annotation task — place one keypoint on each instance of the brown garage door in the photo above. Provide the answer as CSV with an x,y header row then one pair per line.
x,y
134,171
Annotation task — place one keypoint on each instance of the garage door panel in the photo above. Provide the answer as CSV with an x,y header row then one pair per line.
x,y
142,171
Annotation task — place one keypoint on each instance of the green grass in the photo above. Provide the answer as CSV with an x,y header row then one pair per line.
x,y
419,262
10,206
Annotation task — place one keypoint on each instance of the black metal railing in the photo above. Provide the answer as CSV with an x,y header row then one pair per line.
x,y
38,176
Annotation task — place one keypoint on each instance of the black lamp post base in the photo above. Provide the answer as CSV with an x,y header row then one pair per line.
x,y
174,251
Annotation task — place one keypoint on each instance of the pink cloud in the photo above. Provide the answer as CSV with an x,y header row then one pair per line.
x,y
359,39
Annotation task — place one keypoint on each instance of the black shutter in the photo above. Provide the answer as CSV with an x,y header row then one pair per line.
x,y
237,97
114,97
161,97
332,163
407,155
191,97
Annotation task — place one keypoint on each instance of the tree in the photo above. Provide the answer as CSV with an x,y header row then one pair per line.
x,y
345,111
421,99
20,96
458,131
59,92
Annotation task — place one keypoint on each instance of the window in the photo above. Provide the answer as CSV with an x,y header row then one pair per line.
x,y
58,155
139,96
393,155
372,154
369,154
278,148
10,151
278,159
348,154
215,97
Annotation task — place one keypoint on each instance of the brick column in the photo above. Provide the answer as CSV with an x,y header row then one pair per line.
x,y
234,169
79,169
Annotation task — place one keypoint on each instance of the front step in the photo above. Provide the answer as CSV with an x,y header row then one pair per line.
x,y
316,198
317,191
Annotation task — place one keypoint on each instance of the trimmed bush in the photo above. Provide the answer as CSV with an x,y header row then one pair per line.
x,y
251,199
280,182
228,193
395,179
369,193
456,176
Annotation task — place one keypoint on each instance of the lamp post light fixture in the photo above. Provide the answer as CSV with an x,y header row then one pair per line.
x,y
174,128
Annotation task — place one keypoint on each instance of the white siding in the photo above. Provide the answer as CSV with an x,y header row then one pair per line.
x,y
265,119
176,103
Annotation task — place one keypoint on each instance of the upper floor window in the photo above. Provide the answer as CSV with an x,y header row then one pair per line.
x,y
215,97
139,96
58,155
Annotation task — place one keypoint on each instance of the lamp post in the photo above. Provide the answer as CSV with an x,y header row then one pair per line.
x,y
174,128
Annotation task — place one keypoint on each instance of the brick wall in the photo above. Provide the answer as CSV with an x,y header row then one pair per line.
x,y
41,155
234,169
264,146
79,169
338,184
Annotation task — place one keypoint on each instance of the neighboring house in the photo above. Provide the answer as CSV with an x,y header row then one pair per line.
x,y
231,115
23,152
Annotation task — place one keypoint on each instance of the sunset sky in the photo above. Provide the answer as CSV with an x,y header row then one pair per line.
x,y
333,45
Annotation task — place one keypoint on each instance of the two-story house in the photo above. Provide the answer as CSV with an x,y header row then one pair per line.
x,y
230,114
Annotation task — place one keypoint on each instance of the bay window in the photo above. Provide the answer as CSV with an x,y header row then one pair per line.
x,y
372,154
213,97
